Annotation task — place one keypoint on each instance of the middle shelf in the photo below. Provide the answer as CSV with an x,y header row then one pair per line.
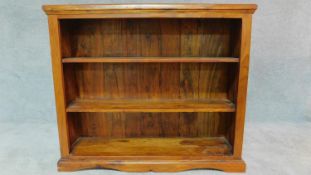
x,y
150,60
168,105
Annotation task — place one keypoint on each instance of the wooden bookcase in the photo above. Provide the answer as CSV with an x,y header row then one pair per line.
x,y
150,87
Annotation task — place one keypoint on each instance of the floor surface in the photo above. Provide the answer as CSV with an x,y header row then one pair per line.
x,y
278,148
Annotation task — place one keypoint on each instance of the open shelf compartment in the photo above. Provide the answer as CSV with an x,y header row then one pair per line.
x,y
152,147
151,134
150,40
175,96
150,87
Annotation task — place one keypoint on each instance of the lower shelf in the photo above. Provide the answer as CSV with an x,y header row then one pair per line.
x,y
196,147
152,154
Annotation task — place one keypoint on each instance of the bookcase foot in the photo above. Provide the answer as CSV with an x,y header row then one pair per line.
x,y
68,164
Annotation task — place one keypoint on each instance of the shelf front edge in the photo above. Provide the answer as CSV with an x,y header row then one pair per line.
x,y
94,105
104,8
150,60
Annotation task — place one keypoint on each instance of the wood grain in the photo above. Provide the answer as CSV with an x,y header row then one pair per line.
x,y
242,85
100,8
151,147
59,86
163,6
192,81
138,124
150,87
160,14
147,165
102,105
150,60
149,38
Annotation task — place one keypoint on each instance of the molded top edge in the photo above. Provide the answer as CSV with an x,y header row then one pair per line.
x,y
62,9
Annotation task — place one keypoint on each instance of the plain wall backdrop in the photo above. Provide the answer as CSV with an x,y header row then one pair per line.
x,y
277,134
280,67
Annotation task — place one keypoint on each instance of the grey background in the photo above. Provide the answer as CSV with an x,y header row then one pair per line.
x,y
279,98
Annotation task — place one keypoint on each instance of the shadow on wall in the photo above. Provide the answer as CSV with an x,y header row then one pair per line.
x,y
308,109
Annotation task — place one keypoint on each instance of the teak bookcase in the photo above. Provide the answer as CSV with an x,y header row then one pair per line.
x,y
150,87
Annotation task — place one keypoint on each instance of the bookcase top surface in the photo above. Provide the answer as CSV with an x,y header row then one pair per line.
x,y
89,8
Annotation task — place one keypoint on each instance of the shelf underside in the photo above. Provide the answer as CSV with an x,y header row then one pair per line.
x,y
204,146
150,59
99,105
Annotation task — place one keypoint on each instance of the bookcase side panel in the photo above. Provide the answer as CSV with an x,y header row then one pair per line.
x,y
59,84
242,85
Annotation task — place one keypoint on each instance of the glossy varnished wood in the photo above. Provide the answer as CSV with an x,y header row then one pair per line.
x,y
59,86
146,165
101,8
150,11
149,38
242,85
188,81
157,125
171,105
163,6
199,147
150,87
150,60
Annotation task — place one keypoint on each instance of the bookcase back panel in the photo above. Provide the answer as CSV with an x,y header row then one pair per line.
x,y
129,125
150,81
150,37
